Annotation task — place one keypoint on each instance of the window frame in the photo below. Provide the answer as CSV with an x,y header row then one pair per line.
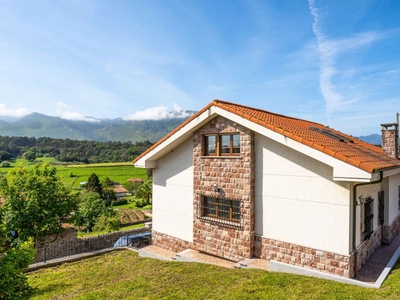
x,y
212,210
219,144
368,218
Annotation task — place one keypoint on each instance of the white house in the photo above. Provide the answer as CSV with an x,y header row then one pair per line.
x,y
239,182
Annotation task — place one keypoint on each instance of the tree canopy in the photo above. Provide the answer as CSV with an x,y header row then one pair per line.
x,y
13,260
68,150
36,202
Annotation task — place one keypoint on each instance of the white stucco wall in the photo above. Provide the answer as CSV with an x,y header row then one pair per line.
x,y
367,191
393,211
297,201
173,193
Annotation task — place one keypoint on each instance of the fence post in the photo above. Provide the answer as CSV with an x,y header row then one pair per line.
x,y
45,253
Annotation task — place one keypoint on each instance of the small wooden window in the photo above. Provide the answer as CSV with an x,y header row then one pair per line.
x,y
223,144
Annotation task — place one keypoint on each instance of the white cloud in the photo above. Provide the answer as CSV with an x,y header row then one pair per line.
x,y
62,104
329,51
157,113
69,115
18,112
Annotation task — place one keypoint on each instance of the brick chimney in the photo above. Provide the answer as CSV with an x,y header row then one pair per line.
x,y
390,139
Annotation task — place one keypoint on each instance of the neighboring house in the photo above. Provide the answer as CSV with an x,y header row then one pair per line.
x,y
239,182
120,192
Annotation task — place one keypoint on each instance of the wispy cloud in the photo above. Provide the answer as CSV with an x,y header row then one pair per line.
x,y
158,113
18,112
69,115
329,51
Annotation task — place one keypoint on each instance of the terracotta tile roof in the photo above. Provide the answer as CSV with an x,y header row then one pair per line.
x,y
120,190
322,138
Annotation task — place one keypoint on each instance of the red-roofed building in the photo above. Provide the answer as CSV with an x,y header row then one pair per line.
x,y
239,182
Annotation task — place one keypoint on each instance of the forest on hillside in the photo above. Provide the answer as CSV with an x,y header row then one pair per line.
x,y
69,150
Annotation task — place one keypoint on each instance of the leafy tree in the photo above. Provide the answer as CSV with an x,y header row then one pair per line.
x,y
108,196
108,222
4,155
132,186
30,156
144,191
93,184
36,202
90,209
13,261
108,182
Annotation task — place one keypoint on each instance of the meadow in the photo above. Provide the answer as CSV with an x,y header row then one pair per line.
x,y
72,175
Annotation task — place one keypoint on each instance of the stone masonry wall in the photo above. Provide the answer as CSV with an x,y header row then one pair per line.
x,y
390,232
390,140
368,247
235,178
305,257
169,242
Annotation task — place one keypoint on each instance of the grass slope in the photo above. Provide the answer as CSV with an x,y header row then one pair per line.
x,y
124,275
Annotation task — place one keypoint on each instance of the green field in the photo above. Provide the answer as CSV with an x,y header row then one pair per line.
x,y
125,275
118,172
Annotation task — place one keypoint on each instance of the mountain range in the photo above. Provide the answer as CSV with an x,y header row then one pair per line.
x,y
102,130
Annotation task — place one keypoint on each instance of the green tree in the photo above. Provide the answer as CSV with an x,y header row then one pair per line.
x,y
30,155
13,261
108,182
4,155
36,202
144,191
90,209
131,186
93,184
108,222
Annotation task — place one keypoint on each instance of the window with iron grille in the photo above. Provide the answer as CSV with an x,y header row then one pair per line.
x,y
368,218
222,144
220,210
399,196
381,203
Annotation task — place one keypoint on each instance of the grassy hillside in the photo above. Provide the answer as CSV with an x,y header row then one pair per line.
x,y
124,275
119,172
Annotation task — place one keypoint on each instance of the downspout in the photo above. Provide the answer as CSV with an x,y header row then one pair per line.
x,y
354,215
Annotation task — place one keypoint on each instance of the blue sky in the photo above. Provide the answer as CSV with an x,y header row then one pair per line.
x,y
334,62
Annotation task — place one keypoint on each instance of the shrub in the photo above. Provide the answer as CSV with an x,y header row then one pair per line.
x,y
13,283
120,201
5,164
140,202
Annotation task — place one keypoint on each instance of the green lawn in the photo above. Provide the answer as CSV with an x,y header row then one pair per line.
x,y
124,275
119,172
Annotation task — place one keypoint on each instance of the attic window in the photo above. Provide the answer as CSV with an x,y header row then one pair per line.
x,y
222,144
332,135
